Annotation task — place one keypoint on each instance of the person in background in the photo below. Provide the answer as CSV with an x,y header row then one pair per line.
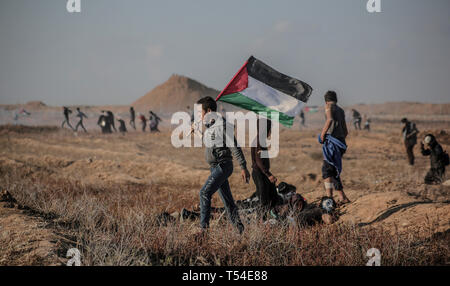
x,y
132,115
438,159
104,123
367,124
409,132
302,118
17,115
356,119
111,119
66,112
333,136
122,127
81,115
143,121
154,122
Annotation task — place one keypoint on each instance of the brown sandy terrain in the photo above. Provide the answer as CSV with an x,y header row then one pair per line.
x,y
385,191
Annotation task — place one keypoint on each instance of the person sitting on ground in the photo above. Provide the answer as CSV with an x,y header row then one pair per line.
x,y
264,180
409,132
334,146
438,159
219,156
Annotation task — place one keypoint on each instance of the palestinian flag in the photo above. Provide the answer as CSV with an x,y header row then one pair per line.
x,y
260,88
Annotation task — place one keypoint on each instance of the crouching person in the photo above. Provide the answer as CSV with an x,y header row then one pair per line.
x,y
219,157
438,159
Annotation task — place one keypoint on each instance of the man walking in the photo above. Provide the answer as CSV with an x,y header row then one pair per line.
x,y
81,115
66,112
409,132
334,146
219,157
133,116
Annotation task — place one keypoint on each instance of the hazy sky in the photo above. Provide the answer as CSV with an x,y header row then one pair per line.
x,y
114,51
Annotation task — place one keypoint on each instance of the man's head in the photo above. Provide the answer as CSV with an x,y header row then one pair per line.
x,y
429,139
330,96
208,105
404,120
78,108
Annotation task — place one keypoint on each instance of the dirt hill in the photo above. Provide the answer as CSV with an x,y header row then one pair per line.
x,y
175,94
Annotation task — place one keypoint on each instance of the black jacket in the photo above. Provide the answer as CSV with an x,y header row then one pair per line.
x,y
436,154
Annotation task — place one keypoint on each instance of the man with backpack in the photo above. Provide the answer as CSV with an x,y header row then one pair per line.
x,y
438,159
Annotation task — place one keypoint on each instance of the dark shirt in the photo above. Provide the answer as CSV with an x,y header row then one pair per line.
x,y
338,128
410,130
263,164
436,154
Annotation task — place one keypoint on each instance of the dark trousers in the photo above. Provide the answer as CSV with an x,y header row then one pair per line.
x,y
434,176
410,152
80,123
66,120
218,181
265,190
132,124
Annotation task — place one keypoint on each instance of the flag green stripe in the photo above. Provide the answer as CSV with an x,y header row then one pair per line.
x,y
244,102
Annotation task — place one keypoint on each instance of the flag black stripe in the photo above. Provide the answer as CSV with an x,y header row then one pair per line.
x,y
286,84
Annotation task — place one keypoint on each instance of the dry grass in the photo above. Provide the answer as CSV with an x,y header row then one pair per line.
x,y
116,225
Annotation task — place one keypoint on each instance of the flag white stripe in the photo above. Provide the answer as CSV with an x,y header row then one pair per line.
x,y
272,98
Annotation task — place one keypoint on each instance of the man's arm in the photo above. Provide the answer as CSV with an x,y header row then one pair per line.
x,y
327,123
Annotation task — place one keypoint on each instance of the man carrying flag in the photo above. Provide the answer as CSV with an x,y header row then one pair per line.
x,y
259,88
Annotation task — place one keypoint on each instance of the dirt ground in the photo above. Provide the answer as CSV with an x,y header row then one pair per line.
x,y
383,188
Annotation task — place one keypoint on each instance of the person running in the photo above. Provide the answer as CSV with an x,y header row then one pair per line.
x,y
81,115
154,122
356,119
66,112
334,146
409,132
103,122
264,180
133,115
438,159
143,121
220,159
111,119
17,115
122,127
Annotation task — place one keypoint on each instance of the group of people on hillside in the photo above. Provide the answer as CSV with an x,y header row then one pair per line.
x,y
106,121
